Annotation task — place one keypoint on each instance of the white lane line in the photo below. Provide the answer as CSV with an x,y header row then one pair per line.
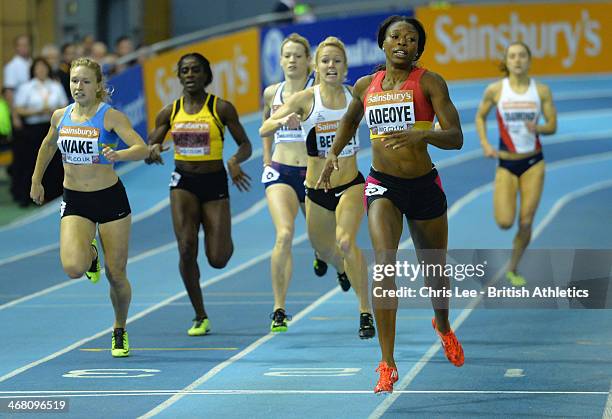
x,y
559,164
162,204
429,354
35,252
382,408
257,153
53,206
566,199
514,373
299,239
220,367
213,280
217,369
182,304
258,206
453,210
569,95
30,253
451,161
99,393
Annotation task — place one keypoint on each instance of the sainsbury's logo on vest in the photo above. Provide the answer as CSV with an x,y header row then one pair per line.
x,y
328,126
82,132
394,96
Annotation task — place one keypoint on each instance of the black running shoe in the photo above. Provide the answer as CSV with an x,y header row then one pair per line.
x,y
366,326
320,267
344,282
279,321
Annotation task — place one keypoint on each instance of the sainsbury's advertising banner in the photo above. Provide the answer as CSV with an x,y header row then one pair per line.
x,y
358,34
468,41
234,59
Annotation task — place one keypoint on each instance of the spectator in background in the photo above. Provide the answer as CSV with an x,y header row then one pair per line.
x,y
283,6
51,54
5,122
79,51
123,47
35,102
301,12
68,54
17,72
87,44
99,53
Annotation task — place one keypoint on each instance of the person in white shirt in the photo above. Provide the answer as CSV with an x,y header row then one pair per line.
x,y
34,103
51,53
17,72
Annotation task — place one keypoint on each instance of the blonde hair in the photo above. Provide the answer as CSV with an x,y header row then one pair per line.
x,y
103,92
299,39
330,41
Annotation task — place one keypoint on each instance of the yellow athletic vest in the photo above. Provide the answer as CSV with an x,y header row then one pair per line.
x,y
197,137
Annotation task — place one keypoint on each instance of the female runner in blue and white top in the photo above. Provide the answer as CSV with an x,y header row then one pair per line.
x,y
334,215
87,133
520,101
285,170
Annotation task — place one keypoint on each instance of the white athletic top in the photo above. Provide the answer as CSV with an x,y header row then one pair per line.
x,y
284,134
321,125
513,110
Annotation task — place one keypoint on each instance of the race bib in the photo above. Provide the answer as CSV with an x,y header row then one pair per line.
x,y
325,135
287,135
79,145
269,174
191,138
390,111
516,114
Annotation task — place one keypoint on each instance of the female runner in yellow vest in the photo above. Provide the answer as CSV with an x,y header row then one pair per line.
x,y
198,186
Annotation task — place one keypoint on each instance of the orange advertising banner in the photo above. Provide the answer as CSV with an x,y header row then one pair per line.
x,y
234,60
468,41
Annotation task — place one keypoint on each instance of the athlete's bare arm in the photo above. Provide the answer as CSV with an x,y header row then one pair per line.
x,y
489,100
117,121
450,137
156,137
45,154
229,118
290,114
548,110
268,97
346,130
352,118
